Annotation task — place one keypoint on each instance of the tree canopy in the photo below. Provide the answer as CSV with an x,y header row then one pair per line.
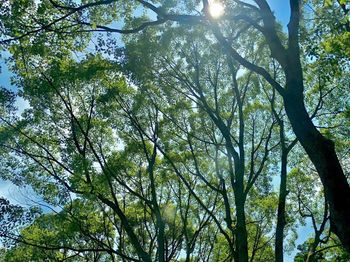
x,y
173,131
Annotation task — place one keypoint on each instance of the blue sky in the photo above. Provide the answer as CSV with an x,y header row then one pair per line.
x,y
281,10
15,194
5,73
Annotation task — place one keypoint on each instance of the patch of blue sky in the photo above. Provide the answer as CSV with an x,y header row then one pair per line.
x,y
281,10
5,74
5,81
23,196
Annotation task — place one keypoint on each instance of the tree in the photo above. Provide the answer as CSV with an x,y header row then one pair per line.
x,y
86,18
174,110
81,232
68,144
286,147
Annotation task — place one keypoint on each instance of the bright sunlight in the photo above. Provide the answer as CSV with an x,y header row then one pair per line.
x,y
216,9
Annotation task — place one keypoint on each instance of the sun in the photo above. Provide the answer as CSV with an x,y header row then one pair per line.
x,y
216,9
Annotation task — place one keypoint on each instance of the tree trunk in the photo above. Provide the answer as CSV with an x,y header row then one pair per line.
x,y
241,235
144,256
311,254
281,219
321,152
160,237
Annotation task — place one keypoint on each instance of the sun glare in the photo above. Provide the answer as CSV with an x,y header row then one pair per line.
x,y
216,9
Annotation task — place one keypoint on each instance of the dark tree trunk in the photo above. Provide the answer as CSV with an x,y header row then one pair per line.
x,y
281,211
281,218
144,256
321,152
160,237
241,235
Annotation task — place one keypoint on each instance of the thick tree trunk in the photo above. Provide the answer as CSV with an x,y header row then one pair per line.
x,y
281,219
241,235
322,154
160,237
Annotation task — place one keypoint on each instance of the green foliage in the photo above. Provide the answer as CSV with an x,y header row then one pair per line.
x,y
161,144
64,235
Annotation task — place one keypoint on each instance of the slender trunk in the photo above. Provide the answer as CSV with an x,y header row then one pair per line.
x,y
323,155
159,220
240,196
128,229
310,256
281,218
311,253
187,241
